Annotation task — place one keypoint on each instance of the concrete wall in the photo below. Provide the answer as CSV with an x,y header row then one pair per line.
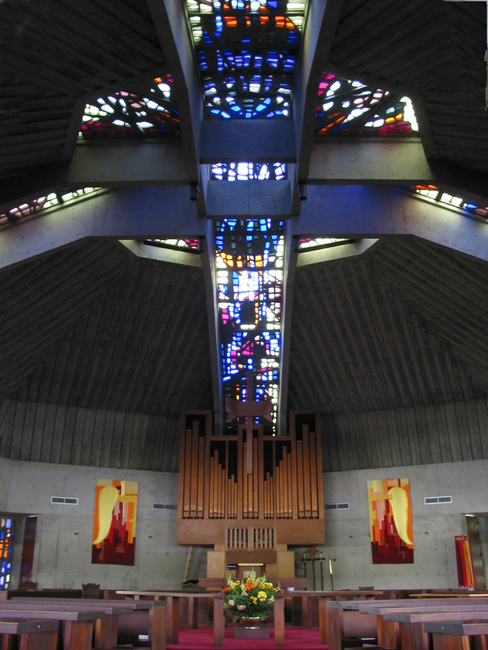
x,y
434,527
64,533
62,556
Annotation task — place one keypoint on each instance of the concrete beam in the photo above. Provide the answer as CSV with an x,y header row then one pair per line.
x,y
371,212
108,164
291,257
248,199
318,32
248,140
170,21
137,213
125,165
365,161
208,266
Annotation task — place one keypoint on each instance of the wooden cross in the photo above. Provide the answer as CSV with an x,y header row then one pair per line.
x,y
248,410
486,53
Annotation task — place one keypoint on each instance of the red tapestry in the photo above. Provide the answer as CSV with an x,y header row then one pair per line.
x,y
114,524
390,519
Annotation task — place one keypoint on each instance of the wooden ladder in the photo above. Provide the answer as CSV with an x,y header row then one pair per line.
x,y
188,564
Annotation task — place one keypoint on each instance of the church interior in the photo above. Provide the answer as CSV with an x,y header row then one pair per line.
x,y
244,292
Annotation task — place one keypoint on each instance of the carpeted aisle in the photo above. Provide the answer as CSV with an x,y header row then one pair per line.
x,y
295,637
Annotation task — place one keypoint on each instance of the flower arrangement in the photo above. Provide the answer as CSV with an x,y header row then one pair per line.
x,y
251,598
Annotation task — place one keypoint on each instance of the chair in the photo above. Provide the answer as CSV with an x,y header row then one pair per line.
x,y
90,590
28,585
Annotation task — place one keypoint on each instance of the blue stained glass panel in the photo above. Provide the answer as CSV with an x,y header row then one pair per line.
x,y
6,547
249,275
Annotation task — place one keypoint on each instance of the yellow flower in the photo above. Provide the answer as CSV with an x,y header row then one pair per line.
x,y
262,595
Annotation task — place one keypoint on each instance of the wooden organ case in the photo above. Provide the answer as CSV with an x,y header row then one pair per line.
x,y
251,518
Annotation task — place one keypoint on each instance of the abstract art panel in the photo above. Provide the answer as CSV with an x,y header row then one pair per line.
x,y
390,521
464,562
114,522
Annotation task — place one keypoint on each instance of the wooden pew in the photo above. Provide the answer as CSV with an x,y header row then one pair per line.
x,y
394,633
456,635
76,626
315,600
172,600
412,625
343,620
144,617
105,628
33,634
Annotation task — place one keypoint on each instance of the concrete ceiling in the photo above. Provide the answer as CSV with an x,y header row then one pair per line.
x,y
87,327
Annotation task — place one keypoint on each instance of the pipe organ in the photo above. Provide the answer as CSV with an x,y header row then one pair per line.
x,y
257,514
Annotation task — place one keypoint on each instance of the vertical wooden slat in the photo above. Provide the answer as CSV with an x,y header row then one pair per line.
x,y
219,491
313,476
188,469
289,487
224,494
256,475
194,470
249,494
318,456
240,482
212,488
181,480
244,481
301,505
201,475
306,472
206,501
294,474
260,470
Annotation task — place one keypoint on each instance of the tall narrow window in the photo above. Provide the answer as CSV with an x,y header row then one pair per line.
x,y
6,546
249,267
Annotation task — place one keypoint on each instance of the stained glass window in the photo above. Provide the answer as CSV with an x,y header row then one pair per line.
x,y
249,269
52,200
348,107
248,171
180,244
247,52
6,546
434,193
147,110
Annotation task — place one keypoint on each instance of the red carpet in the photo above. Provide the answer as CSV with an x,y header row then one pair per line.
x,y
295,637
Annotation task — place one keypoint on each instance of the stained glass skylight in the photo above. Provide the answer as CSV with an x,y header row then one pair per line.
x,y
248,171
148,110
180,244
52,200
249,275
434,193
247,52
348,107
316,243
